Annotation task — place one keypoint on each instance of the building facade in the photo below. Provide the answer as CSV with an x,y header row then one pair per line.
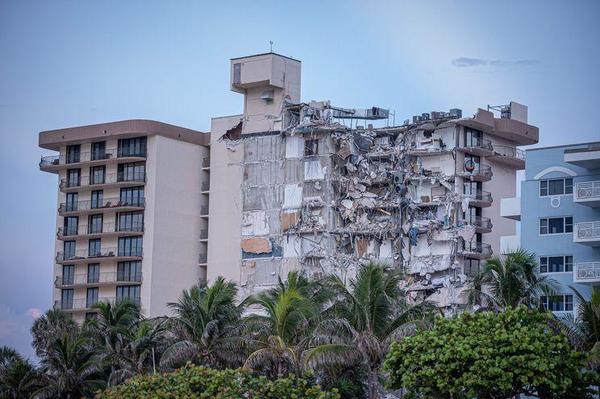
x,y
128,213
559,210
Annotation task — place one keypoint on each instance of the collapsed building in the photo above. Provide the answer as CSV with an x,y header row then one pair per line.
x,y
325,189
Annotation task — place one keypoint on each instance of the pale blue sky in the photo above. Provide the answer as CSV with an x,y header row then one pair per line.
x,y
68,63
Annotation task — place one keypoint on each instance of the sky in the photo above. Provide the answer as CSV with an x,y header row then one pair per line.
x,y
70,63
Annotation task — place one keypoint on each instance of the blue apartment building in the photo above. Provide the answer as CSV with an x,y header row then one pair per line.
x,y
560,218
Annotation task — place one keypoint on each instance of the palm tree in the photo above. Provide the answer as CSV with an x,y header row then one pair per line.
x,y
202,327
52,324
70,368
280,328
18,376
365,319
510,281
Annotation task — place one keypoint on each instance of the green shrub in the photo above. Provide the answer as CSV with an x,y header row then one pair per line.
x,y
200,382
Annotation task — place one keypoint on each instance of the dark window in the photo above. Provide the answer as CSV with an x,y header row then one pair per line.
x,y
471,266
129,271
69,249
311,147
134,147
568,263
95,224
90,315
98,174
73,177
130,221
93,275
132,196
99,151
556,264
472,164
71,204
135,171
130,246
557,303
97,199
472,188
66,299
71,226
473,138
73,153
237,73
556,186
131,292
92,296
68,274
556,225
94,248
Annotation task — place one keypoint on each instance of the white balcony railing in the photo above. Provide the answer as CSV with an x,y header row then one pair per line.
x,y
587,272
589,190
587,231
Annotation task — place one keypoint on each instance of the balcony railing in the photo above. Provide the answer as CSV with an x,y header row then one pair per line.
x,y
60,160
101,204
477,248
587,271
203,234
95,229
110,178
204,210
479,221
202,258
206,162
481,172
479,143
205,186
587,231
98,278
480,195
102,253
86,304
509,152
589,190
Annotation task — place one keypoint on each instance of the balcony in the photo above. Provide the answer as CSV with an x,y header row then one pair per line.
x,y
107,278
478,146
97,231
202,258
204,210
510,156
85,207
206,163
587,233
586,157
476,250
119,179
481,223
480,173
205,185
480,199
54,163
510,208
204,234
587,193
84,256
586,272
85,305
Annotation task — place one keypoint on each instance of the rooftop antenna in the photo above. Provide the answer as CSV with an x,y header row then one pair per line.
x,y
271,44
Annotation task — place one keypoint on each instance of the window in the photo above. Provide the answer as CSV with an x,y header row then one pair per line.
x,y
99,151
97,174
135,171
473,215
237,73
135,147
73,177
473,138
471,266
131,292
97,199
472,188
556,187
557,303
68,274
129,271
472,164
66,299
130,246
69,249
93,275
133,196
556,264
311,147
130,221
556,225
92,297
73,153
71,204
95,224
94,248
71,226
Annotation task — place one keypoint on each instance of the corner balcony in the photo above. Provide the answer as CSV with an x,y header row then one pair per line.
x,y
110,180
481,147
480,199
95,280
510,208
481,173
54,163
476,250
587,193
85,305
92,231
510,156
586,157
586,273
587,233
114,204
104,254
481,223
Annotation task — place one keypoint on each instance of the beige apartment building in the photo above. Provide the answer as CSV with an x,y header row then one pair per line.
x,y
296,186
